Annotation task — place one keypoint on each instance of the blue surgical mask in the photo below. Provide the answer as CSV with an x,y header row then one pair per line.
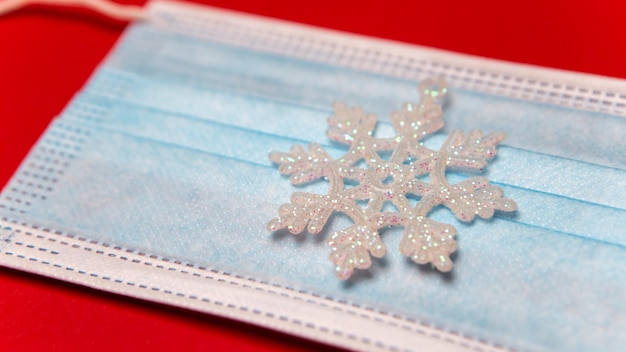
x,y
165,151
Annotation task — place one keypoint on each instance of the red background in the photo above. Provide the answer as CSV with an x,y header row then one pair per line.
x,y
46,55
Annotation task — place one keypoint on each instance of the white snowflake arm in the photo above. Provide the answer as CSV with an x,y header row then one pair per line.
x,y
349,124
428,241
302,166
471,152
352,247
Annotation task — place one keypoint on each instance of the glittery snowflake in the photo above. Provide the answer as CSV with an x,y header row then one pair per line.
x,y
412,178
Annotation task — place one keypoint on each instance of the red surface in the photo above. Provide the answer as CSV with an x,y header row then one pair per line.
x,y
46,54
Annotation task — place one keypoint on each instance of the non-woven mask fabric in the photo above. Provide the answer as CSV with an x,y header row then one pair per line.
x,y
155,182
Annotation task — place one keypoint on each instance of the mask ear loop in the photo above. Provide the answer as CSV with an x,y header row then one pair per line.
x,y
105,7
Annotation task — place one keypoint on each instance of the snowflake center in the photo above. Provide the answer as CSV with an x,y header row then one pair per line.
x,y
387,176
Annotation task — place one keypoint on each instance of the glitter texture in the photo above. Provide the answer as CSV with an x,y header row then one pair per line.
x,y
412,178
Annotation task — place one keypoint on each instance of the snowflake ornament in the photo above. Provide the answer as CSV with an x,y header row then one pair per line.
x,y
412,171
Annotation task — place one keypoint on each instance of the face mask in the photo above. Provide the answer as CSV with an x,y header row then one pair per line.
x,y
162,159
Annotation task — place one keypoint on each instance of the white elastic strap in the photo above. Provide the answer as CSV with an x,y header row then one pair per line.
x,y
105,7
